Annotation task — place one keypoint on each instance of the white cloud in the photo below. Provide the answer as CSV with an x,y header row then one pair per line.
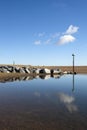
x,y
38,42
72,29
67,36
66,39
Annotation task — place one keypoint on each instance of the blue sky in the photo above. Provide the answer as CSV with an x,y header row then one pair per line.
x,y
43,32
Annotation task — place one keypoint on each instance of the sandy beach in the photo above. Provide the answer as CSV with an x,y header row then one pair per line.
x,y
78,69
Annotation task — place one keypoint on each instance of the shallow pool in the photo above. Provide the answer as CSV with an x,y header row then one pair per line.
x,y
44,103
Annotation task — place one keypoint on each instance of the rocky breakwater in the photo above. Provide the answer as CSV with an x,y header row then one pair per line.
x,y
28,70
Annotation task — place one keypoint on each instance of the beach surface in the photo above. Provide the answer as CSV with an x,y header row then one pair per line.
x,y
77,69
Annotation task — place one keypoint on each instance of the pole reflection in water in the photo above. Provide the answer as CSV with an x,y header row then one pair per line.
x,y
73,87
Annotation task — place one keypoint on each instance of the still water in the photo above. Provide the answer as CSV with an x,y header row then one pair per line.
x,y
44,103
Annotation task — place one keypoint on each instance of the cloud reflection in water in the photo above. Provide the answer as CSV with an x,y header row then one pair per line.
x,y
68,101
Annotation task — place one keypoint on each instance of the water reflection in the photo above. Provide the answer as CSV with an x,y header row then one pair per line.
x,y
64,98
44,104
37,94
73,87
12,79
44,76
68,101
25,78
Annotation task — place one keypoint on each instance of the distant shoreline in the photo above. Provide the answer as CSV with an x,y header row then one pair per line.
x,y
78,70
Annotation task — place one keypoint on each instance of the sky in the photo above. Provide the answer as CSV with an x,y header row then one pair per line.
x,y
43,32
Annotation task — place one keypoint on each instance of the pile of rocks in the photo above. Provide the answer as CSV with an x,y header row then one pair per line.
x,y
15,69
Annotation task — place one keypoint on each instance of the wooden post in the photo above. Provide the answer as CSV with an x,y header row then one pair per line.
x,y
73,62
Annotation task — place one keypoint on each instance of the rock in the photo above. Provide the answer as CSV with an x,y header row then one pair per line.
x,y
44,71
65,72
56,71
33,70
26,70
37,71
10,68
47,71
17,69
3,69
21,70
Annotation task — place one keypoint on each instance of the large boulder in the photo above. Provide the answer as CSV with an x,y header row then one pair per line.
x,y
4,69
1,69
47,71
37,71
21,70
56,71
26,70
33,70
44,71
17,69
10,68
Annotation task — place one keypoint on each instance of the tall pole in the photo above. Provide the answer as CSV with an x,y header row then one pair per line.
x,y
73,62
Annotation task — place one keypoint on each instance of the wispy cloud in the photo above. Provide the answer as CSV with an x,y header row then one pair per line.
x,y
41,34
72,29
55,35
48,41
44,38
66,39
52,38
38,42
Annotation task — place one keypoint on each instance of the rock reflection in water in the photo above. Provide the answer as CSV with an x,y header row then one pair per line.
x,y
22,78
44,76
25,78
